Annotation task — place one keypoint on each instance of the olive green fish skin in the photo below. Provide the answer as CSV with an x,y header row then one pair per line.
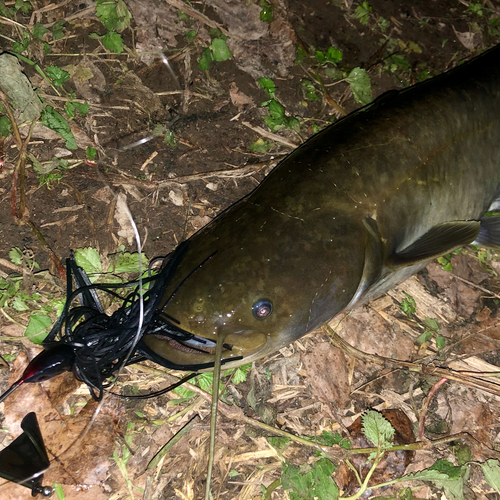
x,y
328,228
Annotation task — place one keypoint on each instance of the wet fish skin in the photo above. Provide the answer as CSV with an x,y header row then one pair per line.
x,y
356,209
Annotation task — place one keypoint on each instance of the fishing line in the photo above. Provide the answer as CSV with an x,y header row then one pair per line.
x,y
120,201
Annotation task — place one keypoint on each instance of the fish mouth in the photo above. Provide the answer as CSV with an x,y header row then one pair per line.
x,y
173,347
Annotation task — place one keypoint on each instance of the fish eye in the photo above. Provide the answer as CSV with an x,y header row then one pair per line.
x,y
262,309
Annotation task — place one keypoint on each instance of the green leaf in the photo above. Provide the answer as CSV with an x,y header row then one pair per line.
x,y
71,107
320,56
169,139
268,85
359,82
431,324
55,121
183,392
113,41
5,126
377,429
91,152
113,14
383,24
440,342
279,442
38,31
398,62
70,110
445,262
241,373
292,123
301,55
58,75
423,337
273,125
23,5
266,14
310,90
37,328
58,29
315,483
329,438
23,45
220,51
276,110
205,381
444,475
334,55
19,305
82,107
362,13
205,60
491,471
260,146
216,33
408,305
183,17
127,262
88,259
452,471
190,35
16,255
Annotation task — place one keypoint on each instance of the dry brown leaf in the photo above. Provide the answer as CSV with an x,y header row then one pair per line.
x,y
122,216
368,332
328,383
85,464
238,98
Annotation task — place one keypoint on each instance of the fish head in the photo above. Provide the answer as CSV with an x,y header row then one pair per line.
x,y
255,287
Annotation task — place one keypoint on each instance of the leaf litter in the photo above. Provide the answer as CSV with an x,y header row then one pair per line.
x,y
291,390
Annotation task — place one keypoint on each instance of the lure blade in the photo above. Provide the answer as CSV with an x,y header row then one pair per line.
x,y
25,460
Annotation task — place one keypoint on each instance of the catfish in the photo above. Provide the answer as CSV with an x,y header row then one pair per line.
x,y
355,210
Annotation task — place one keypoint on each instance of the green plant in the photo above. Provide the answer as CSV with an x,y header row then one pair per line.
x,y
360,84
115,17
205,380
217,51
122,459
277,119
267,13
332,55
362,13
314,481
431,330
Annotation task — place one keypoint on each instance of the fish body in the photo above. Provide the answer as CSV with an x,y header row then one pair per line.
x,y
353,211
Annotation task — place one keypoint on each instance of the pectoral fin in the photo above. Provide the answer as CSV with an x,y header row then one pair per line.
x,y
439,240
373,265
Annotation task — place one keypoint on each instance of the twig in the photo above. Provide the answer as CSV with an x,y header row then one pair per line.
x,y
123,178
425,406
479,287
21,217
190,11
270,135
471,381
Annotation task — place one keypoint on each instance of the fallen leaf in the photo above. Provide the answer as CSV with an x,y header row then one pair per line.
x,y
327,384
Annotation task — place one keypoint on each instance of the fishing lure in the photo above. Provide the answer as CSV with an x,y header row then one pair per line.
x,y
25,460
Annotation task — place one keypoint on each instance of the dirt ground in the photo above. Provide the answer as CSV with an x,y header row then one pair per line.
x,y
172,190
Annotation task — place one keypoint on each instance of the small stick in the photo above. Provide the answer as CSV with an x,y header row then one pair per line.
x,y
425,407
